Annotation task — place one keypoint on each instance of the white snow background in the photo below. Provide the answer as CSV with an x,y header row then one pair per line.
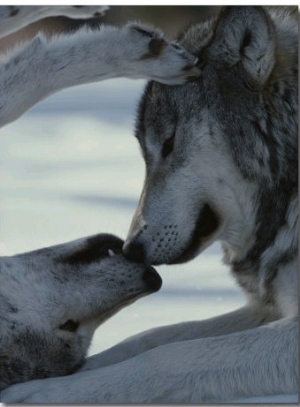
x,y
71,167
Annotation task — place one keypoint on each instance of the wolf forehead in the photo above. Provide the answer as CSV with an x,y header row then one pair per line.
x,y
224,93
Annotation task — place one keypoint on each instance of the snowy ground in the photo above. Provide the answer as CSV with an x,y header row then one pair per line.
x,y
71,167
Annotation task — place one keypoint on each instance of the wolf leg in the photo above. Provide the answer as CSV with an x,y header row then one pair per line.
x,y
259,361
39,67
14,18
239,320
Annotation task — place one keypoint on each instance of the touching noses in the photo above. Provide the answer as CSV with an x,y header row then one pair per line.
x,y
134,250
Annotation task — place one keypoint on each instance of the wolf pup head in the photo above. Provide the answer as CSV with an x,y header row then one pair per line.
x,y
53,299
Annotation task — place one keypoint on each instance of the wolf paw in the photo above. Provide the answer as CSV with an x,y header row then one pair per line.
x,y
159,59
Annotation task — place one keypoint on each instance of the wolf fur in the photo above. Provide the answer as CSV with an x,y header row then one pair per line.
x,y
221,164
39,67
53,299
14,18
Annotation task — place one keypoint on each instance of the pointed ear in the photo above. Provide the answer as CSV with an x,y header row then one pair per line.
x,y
244,37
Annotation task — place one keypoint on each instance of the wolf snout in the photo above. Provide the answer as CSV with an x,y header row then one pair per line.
x,y
152,278
152,244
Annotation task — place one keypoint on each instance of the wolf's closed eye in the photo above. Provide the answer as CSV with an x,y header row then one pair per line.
x,y
168,146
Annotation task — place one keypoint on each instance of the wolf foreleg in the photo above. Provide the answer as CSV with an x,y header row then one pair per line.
x,y
260,361
39,68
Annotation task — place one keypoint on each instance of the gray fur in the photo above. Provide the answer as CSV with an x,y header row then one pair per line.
x,y
53,299
14,18
87,55
235,151
221,164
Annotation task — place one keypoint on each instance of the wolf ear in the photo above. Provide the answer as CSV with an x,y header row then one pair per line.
x,y
244,37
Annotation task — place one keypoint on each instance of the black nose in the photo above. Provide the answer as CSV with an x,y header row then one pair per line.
x,y
152,278
134,251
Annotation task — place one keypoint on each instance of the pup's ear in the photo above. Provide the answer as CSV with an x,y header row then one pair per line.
x,y
244,38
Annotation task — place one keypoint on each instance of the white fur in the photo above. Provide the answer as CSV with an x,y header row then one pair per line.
x,y
14,18
40,67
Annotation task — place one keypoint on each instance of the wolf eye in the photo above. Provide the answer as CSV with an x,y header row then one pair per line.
x,y
168,146
70,326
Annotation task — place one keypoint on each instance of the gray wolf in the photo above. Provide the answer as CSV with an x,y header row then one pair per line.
x,y
53,299
221,165
39,67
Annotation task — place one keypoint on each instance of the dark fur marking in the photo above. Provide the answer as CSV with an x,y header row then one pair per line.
x,y
141,113
156,46
272,145
271,215
143,32
207,223
94,249
187,68
281,260
241,267
15,10
246,40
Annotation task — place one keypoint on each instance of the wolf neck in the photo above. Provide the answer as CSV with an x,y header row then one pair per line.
x,y
275,246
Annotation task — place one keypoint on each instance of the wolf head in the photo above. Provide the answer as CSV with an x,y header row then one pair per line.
x,y
53,299
220,152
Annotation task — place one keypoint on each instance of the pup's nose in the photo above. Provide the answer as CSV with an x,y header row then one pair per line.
x,y
152,278
134,251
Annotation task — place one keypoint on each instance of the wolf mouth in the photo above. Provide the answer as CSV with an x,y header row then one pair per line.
x,y
207,223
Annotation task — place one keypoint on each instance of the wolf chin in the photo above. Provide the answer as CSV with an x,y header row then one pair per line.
x,y
221,164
